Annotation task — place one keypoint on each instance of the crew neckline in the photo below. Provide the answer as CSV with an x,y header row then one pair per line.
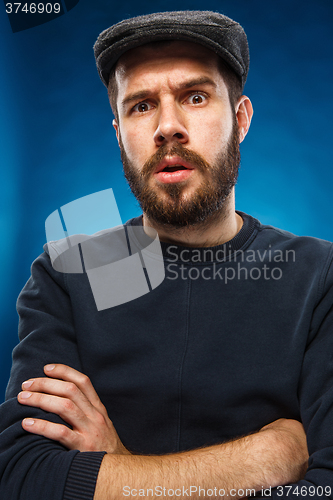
x,y
209,254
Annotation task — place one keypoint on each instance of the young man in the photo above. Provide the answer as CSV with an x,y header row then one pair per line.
x,y
235,342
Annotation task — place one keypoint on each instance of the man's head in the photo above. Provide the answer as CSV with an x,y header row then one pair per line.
x,y
179,119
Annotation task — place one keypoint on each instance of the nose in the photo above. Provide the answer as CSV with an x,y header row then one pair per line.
x,y
170,126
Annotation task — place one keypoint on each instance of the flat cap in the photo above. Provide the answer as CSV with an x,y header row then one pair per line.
x,y
213,30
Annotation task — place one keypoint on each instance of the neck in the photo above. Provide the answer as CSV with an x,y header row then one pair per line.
x,y
221,229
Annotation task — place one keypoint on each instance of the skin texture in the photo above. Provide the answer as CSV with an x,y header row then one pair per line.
x,y
156,107
70,394
205,205
277,454
169,96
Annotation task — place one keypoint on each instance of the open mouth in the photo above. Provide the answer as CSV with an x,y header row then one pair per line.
x,y
170,172
173,168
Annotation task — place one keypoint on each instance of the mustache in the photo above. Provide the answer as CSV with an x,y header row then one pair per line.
x,y
176,150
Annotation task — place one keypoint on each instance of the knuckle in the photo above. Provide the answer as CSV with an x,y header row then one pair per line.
x,y
101,408
42,425
71,388
99,419
85,381
63,432
68,405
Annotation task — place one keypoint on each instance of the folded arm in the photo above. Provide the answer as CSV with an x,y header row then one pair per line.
x,y
277,454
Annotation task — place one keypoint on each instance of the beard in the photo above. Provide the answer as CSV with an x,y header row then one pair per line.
x,y
205,205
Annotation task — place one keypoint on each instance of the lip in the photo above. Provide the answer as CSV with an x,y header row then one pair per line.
x,y
176,176
171,161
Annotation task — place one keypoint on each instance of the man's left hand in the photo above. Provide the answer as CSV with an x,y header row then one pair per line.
x,y
71,395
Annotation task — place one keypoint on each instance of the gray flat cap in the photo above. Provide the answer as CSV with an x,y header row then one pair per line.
x,y
211,29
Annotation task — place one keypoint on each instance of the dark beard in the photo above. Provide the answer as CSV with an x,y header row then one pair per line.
x,y
205,205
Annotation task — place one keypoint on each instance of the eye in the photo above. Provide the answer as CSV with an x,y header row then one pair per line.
x,y
196,98
142,107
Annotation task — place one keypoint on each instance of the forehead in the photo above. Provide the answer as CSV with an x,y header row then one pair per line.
x,y
165,56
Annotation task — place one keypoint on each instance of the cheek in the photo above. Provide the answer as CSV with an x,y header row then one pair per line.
x,y
221,128
212,136
133,143
138,141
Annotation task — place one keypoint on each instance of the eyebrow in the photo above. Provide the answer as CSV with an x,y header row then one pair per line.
x,y
143,94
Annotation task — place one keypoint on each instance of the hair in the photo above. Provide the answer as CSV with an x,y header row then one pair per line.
x,y
231,79
113,92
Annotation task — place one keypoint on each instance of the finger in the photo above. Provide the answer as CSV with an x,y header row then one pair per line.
x,y
65,408
62,389
57,432
81,380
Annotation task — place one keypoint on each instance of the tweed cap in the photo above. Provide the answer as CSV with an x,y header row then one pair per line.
x,y
213,30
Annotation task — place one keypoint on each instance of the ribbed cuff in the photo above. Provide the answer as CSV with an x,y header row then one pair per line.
x,y
82,476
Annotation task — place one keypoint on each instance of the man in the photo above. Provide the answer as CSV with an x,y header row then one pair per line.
x,y
204,380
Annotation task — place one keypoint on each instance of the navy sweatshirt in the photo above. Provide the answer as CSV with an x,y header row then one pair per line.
x,y
235,337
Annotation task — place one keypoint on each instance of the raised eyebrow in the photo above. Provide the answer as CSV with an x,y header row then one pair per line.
x,y
203,80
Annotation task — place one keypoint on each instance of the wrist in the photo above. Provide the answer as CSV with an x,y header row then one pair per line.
x,y
284,443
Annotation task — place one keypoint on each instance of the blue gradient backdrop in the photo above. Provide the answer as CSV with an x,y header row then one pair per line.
x,y
57,141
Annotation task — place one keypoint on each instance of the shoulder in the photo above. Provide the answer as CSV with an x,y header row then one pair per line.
x,y
308,255
307,245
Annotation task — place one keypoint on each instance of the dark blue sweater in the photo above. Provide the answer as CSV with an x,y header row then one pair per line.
x,y
235,337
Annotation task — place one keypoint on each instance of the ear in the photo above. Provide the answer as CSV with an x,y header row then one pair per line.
x,y
244,113
116,127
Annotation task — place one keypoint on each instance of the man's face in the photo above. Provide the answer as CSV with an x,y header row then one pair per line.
x,y
177,132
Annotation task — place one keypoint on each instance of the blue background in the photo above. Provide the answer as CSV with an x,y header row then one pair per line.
x,y
57,141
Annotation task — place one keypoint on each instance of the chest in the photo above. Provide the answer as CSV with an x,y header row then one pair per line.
x,y
196,362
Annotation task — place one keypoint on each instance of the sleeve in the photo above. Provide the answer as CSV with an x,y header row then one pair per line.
x,y
315,393
33,467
